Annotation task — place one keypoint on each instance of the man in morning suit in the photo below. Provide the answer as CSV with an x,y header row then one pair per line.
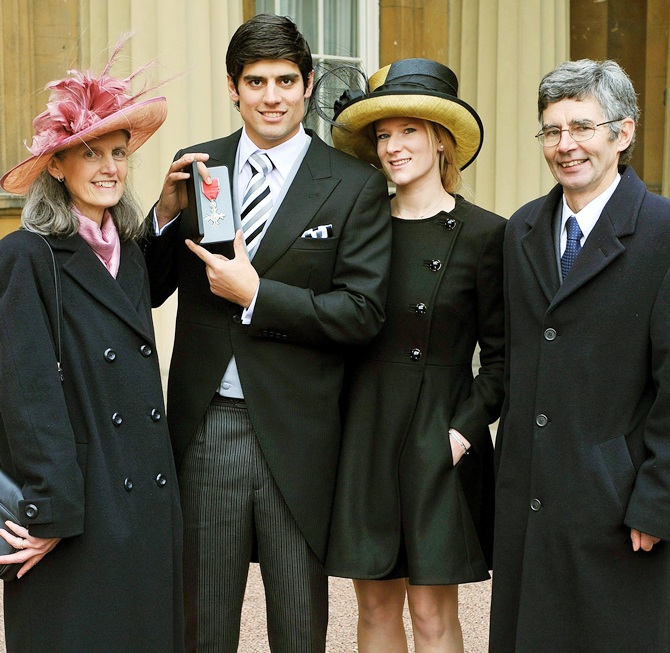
x,y
581,558
258,359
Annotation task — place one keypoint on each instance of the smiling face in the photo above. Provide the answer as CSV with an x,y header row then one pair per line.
x,y
585,169
94,173
407,150
271,96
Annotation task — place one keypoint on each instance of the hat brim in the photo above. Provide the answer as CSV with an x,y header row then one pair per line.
x,y
353,131
139,120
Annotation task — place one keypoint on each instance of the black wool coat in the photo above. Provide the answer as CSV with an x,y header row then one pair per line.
x,y
92,454
396,478
584,441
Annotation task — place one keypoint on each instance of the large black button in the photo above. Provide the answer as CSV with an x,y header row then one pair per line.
x,y
535,505
128,484
237,318
550,334
449,223
146,351
110,355
155,415
414,354
542,420
117,419
433,264
161,481
31,511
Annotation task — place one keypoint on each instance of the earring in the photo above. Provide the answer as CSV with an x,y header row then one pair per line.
x,y
60,179
441,147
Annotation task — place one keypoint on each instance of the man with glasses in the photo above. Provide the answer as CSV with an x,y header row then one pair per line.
x,y
581,559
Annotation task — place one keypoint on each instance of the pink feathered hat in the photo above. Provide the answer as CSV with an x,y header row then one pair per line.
x,y
81,108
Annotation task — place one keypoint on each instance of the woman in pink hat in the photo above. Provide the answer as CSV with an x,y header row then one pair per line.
x,y
414,497
97,539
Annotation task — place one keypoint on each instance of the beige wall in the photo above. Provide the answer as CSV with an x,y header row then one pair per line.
x,y
502,48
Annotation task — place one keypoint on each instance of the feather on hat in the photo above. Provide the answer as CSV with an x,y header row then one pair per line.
x,y
82,107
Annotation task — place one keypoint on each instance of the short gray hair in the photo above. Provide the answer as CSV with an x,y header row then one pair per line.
x,y
48,211
606,82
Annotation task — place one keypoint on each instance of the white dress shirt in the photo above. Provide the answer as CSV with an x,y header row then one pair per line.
x,y
588,216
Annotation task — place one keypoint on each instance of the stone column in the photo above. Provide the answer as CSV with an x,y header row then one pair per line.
x,y
500,50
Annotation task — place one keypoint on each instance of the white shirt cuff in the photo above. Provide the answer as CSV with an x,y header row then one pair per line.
x,y
248,313
158,231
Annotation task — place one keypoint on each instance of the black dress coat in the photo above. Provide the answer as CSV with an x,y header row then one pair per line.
x,y
92,454
397,486
316,297
584,441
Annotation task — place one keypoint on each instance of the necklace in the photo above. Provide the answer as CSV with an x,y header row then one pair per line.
x,y
423,213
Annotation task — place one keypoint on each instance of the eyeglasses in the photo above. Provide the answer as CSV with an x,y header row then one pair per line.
x,y
551,136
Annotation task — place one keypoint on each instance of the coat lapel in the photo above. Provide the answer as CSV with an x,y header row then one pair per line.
x,y
538,244
603,246
310,188
121,296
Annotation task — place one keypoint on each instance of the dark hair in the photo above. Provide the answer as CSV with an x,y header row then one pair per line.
x,y
267,36
606,82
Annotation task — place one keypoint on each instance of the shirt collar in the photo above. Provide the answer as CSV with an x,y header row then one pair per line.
x,y
283,156
588,216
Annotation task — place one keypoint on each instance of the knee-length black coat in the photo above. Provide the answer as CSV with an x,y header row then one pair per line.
x,y
92,454
584,439
396,483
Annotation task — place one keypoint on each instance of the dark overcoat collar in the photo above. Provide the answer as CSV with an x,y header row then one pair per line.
x,y
602,247
123,295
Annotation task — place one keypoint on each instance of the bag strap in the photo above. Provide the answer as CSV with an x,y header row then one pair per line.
x,y
59,309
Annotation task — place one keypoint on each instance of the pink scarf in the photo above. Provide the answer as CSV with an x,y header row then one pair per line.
x,y
104,242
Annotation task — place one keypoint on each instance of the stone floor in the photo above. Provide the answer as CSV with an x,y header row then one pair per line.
x,y
474,609
474,614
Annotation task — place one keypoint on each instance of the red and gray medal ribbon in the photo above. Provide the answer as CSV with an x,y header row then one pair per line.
x,y
211,192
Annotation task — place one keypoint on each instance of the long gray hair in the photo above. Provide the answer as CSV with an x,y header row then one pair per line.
x,y
606,82
48,211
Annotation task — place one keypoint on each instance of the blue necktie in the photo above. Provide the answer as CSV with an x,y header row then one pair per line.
x,y
572,247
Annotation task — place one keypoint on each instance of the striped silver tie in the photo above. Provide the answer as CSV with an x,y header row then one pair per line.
x,y
257,202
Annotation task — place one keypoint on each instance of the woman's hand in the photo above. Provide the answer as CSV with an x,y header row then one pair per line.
x,y
31,549
459,445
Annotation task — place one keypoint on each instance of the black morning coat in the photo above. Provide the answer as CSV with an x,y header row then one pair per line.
x,y
92,453
584,441
316,297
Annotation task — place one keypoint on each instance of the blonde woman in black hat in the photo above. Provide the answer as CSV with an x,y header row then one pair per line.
x,y
414,503
98,534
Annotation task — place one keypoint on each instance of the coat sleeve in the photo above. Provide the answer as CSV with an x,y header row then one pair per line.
x,y
352,311
160,255
483,406
649,506
37,440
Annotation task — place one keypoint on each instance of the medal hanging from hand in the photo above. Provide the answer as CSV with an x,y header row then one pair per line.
x,y
211,192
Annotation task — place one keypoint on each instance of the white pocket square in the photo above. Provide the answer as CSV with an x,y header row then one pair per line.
x,y
322,231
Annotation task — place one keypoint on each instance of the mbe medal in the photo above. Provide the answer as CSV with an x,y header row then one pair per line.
x,y
210,208
211,192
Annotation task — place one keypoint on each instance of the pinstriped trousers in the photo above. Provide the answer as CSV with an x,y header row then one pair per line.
x,y
230,501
